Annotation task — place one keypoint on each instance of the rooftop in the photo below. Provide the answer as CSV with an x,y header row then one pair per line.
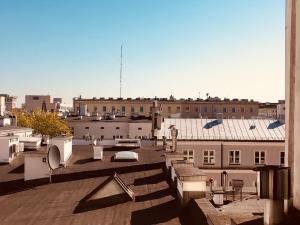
x,y
55,203
228,129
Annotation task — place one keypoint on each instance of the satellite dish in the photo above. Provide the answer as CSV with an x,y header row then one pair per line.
x,y
53,157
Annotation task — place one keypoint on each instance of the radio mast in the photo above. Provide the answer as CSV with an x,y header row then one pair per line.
x,y
121,65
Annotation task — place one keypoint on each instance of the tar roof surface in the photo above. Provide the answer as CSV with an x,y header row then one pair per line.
x,y
55,203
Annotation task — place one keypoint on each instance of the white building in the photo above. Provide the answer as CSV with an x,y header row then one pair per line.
x,y
110,129
9,147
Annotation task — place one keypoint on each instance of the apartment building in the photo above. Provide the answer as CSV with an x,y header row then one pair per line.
x,y
267,110
181,108
236,146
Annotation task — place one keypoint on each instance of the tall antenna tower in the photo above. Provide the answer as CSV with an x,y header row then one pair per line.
x,y
121,65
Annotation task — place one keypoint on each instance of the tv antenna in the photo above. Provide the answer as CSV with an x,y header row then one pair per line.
x,y
121,65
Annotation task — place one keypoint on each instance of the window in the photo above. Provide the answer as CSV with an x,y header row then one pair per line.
x,y
104,108
132,109
187,109
260,157
178,109
224,110
113,108
36,98
102,128
169,109
234,157
117,128
233,109
114,137
251,110
139,128
87,127
242,110
188,155
209,157
205,109
123,109
95,108
141,109
196,109
282,158
102,137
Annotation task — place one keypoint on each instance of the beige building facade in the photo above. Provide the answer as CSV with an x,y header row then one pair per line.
x,y
183,108
44,102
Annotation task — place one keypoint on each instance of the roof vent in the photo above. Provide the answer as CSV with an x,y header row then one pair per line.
x,y
252,127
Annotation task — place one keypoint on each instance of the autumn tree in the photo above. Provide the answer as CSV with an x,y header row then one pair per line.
x,y
45,123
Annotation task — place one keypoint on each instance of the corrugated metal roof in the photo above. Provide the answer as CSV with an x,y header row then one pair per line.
x,y
228,129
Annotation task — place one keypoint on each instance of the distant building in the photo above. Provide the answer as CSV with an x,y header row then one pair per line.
x,y
7,103
109,129
267,110
182,108
44,102
281,111
2,105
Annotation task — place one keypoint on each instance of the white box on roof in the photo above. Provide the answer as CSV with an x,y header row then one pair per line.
x,y
64,145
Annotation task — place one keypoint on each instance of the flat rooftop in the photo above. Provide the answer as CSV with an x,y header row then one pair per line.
x,y
117,119
55,203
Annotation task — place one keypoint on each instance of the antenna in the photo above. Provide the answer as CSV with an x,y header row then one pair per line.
x,y
121,64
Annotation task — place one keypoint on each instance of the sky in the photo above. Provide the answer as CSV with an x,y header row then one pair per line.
x,y
226,48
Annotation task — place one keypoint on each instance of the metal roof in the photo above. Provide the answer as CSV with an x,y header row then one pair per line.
x,y
228,129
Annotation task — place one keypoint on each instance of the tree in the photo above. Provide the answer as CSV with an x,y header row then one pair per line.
x,y
45,123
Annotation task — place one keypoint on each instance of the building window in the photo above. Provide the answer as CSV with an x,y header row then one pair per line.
x,y
260,157
209,157
242,110
102,128
187,108
169,109
234,157
123,108
282,158
132,109
188,155
95,109
102,137
114,137
196,109
178,109
36,98
233,109
113,108
251,110
104,108
141,109
224,110
117,128
139,128
87,127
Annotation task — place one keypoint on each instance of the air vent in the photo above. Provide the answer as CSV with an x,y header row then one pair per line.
x,y
252,127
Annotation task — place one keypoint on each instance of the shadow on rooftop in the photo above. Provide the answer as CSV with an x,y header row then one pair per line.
x,y
84,161
156,214
19,169
153,195
154,179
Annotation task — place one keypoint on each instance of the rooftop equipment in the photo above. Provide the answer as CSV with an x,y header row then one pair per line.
x,y
126,156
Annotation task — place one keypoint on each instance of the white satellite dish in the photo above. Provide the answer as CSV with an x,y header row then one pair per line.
x,y
53,157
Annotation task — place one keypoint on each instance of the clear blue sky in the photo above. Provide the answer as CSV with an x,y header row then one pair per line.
x,y
228,48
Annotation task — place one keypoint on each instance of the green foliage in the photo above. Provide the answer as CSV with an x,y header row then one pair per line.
x,y
45,123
